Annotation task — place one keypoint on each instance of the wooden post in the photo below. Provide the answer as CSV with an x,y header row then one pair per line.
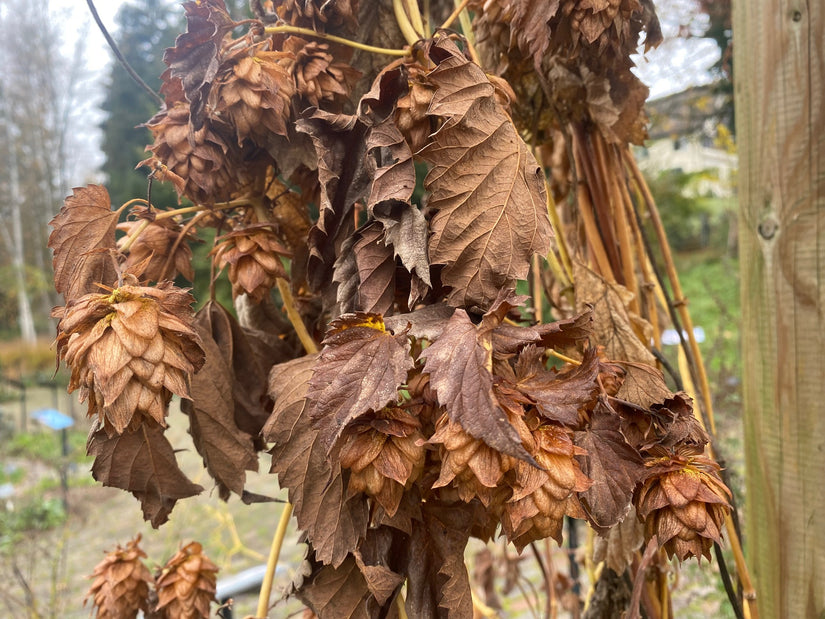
x,y
779,67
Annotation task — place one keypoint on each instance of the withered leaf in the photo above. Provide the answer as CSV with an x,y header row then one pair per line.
x,y
487,191
613,465
530,26
460,367
340,145
644,385
437,574
227,451
359,369
342,592
374,558
83,235
424,323
143,463
619,548
614,326
390,162
405,230
250,360
558,396
194,58
334,524
365,272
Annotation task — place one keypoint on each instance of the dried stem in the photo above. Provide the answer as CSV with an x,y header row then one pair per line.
x,y
182,235
295,318
388,51
272,562
460,5
414,15
679,300
132,73
404,24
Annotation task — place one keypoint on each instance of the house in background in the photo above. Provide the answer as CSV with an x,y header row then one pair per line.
x,y
690,131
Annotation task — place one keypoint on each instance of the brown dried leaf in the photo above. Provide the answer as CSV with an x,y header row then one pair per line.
x,y
614,326
194,58
619,548
406,231
425,323
613,465
365,272
558,396
334,524
342,592
143,463
643,385
487,191
360,369
438,583
460,367
340,146
83,235
227,451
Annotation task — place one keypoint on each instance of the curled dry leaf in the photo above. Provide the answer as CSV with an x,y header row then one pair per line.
x,y
141,462
227,451
333,521
83,240
487,191
614,466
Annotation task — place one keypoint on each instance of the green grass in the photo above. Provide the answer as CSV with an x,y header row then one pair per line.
x,y
45,446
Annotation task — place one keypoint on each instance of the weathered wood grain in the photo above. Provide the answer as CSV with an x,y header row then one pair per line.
x,y
780,111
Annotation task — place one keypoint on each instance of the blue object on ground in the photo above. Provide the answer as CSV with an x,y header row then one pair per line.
x,y
54,419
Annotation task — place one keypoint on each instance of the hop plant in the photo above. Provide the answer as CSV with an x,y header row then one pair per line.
x,y
186,584
129,351
121,583
683,503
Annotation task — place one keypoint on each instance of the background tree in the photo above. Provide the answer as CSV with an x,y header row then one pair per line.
x,y
38,92
145,29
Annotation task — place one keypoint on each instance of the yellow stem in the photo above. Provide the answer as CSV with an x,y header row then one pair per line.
x,y
460,5
403,22
334,39
564,358
402,609
561,240
428,32
134,236
295,318
272,562
414,15
126,205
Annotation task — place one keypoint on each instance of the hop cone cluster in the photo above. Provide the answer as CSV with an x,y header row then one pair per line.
x,y
121,583
683,503
186,584
129,351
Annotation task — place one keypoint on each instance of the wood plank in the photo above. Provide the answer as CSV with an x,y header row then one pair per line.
x,y
779,61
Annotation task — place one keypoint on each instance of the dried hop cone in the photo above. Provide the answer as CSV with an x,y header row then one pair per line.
x,y
186,584
252,252
256,97
683,503
121,583
208,170
317,77
129,351
469,464
384,452
542,498
159,249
